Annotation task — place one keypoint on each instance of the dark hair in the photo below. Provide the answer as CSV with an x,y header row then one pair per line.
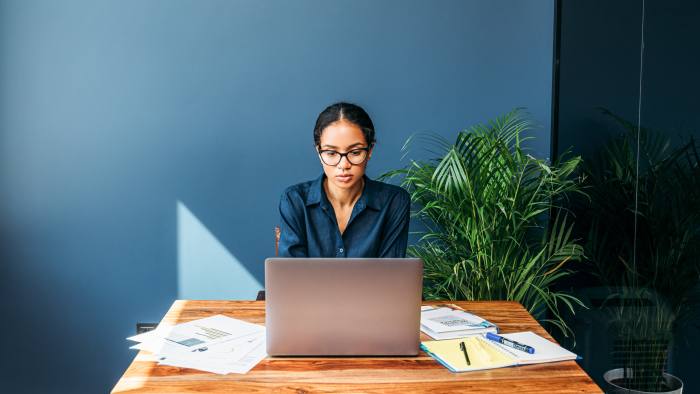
x,y
350,112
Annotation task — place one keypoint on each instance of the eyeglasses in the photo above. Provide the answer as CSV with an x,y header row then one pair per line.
x,y
333,158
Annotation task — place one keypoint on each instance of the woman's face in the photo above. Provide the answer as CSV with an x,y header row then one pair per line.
x,y
343,136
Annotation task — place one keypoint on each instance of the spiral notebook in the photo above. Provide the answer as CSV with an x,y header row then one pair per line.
x,y
487,354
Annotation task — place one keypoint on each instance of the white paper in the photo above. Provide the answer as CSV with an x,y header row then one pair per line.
x,y
222,352
458,334
197,334
545,350
242,364
445,320
217,344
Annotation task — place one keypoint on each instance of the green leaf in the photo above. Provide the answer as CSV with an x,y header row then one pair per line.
x,y
483,200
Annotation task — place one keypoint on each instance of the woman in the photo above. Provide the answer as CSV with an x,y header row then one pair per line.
x,y
343,213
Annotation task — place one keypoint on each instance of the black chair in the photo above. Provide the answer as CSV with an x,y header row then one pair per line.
x,y
145,327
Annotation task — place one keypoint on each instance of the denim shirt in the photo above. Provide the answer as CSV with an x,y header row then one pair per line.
x,y
378,225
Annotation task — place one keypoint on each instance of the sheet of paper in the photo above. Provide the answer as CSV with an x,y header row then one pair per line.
x,y
545,350
195,335
242,364
222,352
445,319
217,344
228,349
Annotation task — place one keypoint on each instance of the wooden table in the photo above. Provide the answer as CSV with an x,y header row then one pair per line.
x,y
362,374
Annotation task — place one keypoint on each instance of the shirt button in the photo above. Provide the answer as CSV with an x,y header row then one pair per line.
x,y
341,250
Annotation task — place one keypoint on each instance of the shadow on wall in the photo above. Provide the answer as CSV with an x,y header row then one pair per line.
x,y
206,270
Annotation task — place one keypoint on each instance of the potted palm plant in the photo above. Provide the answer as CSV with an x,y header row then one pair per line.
x,y
495,227
643,225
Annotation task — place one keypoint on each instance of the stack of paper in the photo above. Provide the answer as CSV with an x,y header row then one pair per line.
x,y
446,323
217,344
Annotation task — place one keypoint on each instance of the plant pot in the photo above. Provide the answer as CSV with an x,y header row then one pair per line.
x,y
673,384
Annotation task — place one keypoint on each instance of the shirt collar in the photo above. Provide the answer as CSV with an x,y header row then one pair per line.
x,y
315,191
368,198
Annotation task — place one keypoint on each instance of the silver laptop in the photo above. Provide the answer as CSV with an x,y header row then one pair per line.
x,y
343,307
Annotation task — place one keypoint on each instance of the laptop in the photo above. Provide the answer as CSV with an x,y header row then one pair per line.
x,y
343,306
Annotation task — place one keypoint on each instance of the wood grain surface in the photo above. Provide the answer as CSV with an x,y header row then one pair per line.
x,y
359,374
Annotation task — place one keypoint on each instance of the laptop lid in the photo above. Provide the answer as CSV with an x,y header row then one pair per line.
x,y
344,306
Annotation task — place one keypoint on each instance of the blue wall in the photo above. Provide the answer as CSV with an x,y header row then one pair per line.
x,y
139,139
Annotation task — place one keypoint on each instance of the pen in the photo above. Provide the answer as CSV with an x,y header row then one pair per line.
x,y
515,345
466,355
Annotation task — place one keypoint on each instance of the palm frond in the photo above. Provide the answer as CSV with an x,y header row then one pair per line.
x,y
482,199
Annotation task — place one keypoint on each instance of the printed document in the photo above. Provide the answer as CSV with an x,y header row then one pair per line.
x,y
217,344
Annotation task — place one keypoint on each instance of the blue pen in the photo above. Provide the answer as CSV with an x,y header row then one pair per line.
x,y
509,343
